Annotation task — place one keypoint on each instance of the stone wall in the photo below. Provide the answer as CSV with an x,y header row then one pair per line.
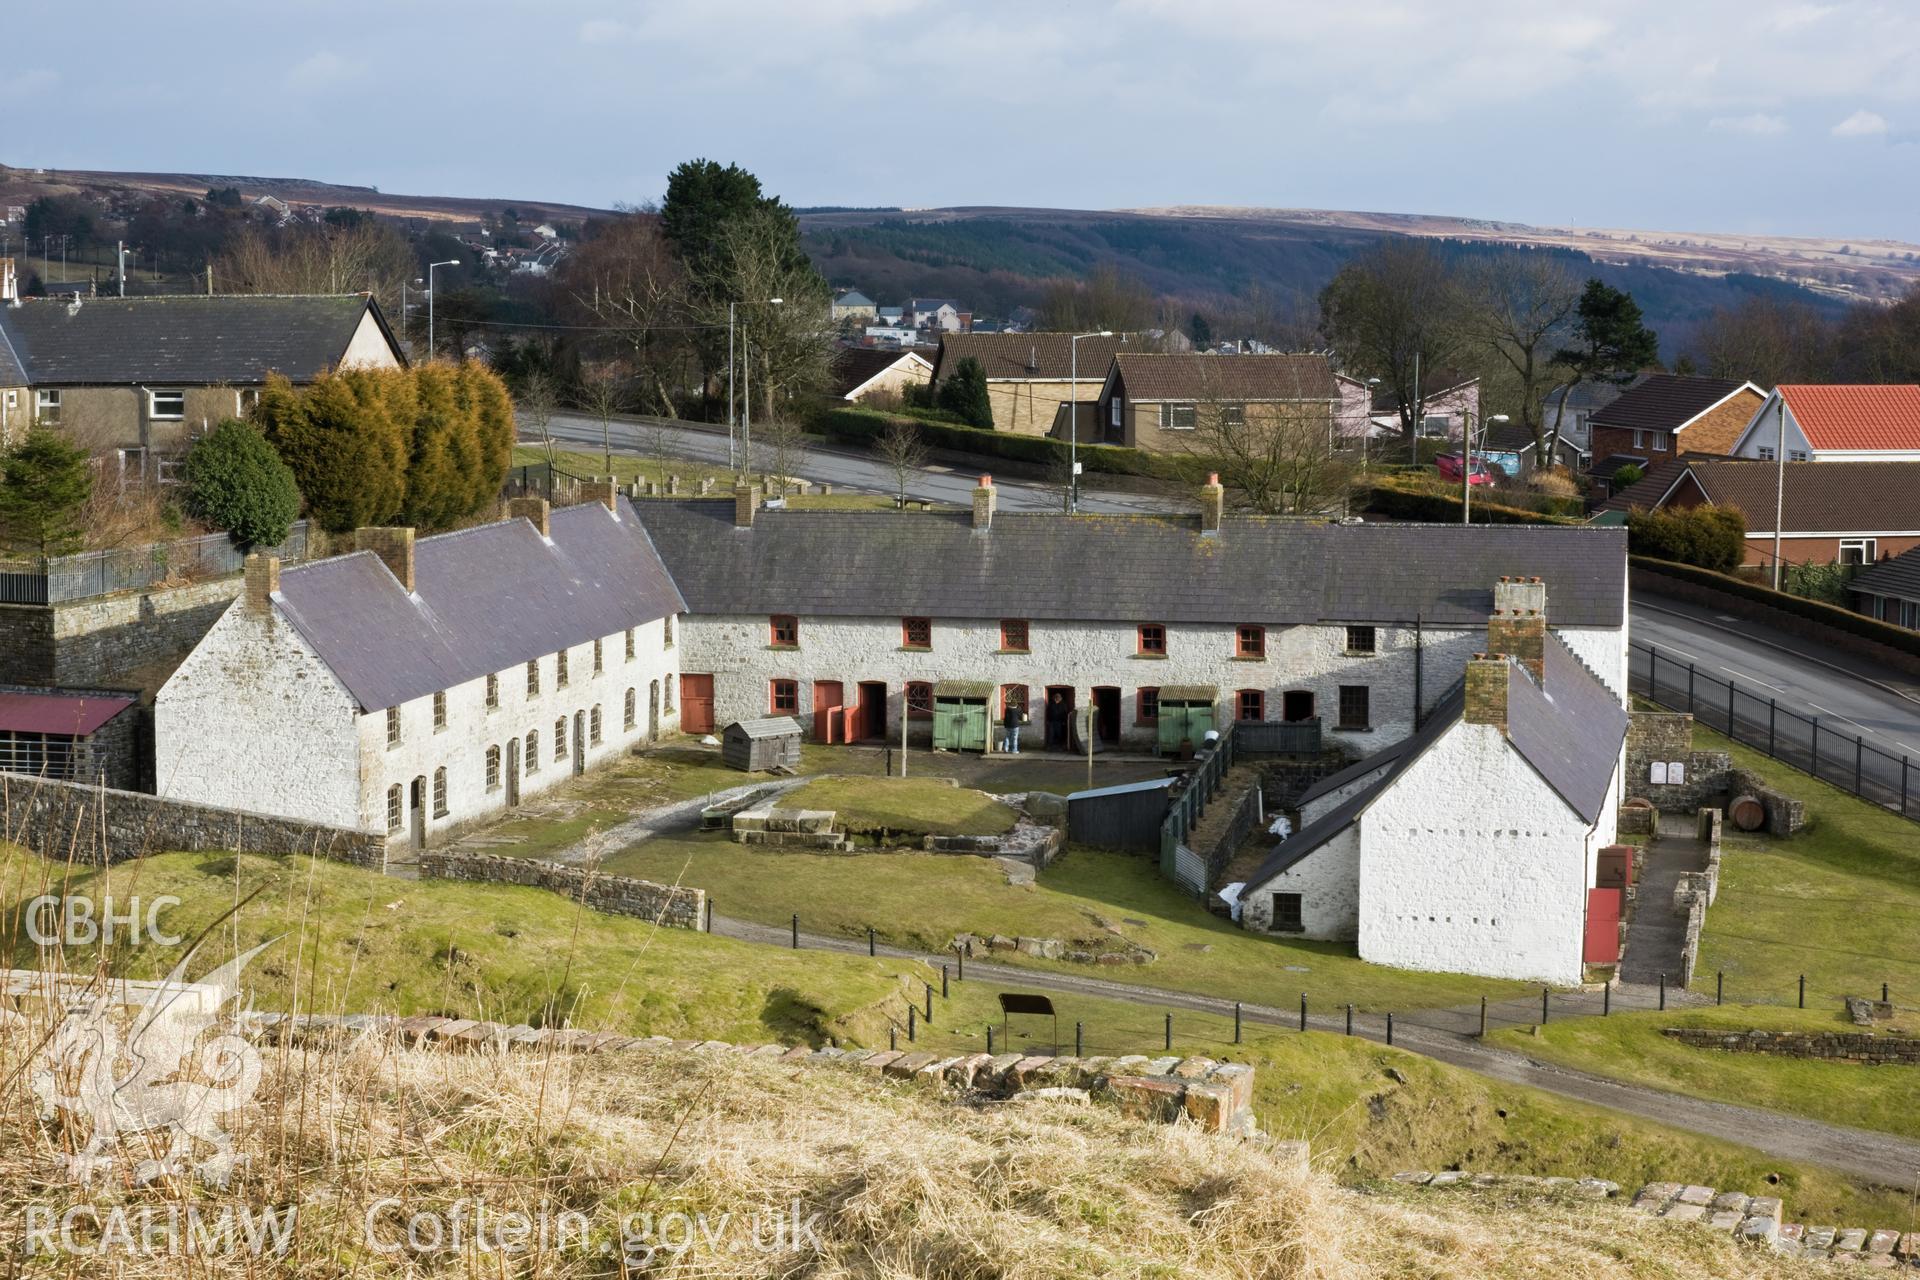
x,y
1785,815
1830,1046
1695,892
1666,737
63,819
677,908
1284,781
137,637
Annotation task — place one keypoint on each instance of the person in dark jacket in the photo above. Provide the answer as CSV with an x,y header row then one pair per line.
x,y
1056,720
1010,721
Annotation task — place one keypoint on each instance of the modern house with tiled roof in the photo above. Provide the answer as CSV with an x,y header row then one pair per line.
x,y
877,373
1665,413
137,379
1890,590
412,687
1031,376
853,305
1834,512
1820,422
1423,870
1170,403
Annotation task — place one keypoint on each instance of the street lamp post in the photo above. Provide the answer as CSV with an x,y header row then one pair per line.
x,y
1073,415
736,436
1466,462
433,296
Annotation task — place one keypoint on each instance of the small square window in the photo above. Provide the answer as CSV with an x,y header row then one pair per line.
x,y
1233,415
784,698
1766,453
1859,550
439,712
783,631
1013,635
46,407
395,810
393,726
1361,640
1153,639
916,633
1147,706
1355,706
1178,417
168,406
1251,704
1287,914
1250,642
1797,455
493,690
919,700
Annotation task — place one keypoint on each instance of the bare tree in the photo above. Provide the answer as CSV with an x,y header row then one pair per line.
x,y
657,438
782,446
625,278
538,400
1769,341
1519,307
1394,311
1106,299
1280,452
904,451
599,395
303,259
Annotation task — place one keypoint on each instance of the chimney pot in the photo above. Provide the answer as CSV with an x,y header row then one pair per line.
x,y
394,546
262,579
986,499
534,510
1518,624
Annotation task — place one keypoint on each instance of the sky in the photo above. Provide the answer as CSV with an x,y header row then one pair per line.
x,y
1755,116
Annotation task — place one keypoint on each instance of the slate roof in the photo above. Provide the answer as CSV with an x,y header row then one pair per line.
x,y
184,338
1032,356
1570,727
853,298
1841,416
485,599
1821,497
1666,401
1125,568
1654,484
1194,375
1898,576
1588,396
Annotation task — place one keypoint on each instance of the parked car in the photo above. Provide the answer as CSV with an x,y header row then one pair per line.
x,y
1450,467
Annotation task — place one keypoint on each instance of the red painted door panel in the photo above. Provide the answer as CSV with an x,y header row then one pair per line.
x,y
696,704
1603,927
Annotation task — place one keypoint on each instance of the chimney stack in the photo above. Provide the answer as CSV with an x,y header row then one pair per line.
x,y
985,499
263,579
1213,503
534,510
9,281
1486,690
746,499
394,546
602,491
1518,624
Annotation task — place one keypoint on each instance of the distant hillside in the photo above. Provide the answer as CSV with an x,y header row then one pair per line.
x,y
995,259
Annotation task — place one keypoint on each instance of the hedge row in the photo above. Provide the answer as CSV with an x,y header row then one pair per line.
x,y
1832,615
1409,504
864,426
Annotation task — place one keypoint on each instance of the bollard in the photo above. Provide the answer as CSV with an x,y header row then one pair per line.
x,y
1079,1040
910,1023
1236,1022
943,982
989,1037
1303,1011
1543,1006
1483,1017
928,1012
1883,993
796,931
960,958
1720,986
1349,1019
870,950
1169,1033
1606,999
893,1037
1389,1028
709,914
1803,991
1663,992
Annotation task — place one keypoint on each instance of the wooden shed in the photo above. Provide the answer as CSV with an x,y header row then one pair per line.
x,y
758,746
1186,714
962,715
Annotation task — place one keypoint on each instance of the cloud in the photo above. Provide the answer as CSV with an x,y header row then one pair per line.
x,y
1759,124
1861,124
323,70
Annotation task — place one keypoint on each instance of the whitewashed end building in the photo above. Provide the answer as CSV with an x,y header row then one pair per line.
x,y
415,686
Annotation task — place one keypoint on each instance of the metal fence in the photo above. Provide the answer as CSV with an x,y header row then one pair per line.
x,y
541,480
1183,814
83,576
1279,737
1832,749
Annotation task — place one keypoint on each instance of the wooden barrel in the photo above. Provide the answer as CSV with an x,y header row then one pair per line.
x,y
1747,813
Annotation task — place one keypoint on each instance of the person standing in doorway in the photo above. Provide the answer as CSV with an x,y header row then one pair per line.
x,y
1056,720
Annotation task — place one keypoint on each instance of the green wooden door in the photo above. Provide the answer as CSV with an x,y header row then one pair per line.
x,y
973,734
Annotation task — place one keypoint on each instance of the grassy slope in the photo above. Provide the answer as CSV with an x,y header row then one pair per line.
x,y
628,467
922,900
913,806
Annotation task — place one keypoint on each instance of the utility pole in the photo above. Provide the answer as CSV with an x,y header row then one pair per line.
x,y
1417,415
1780,480
120,264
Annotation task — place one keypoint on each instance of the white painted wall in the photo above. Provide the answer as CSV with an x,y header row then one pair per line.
x,y
1328,882
1471,863
368,349
253,720
472,727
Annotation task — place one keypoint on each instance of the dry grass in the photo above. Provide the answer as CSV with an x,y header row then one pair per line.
x,y
904,1183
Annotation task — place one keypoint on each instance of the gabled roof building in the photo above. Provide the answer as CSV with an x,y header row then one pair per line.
x,y
1835,423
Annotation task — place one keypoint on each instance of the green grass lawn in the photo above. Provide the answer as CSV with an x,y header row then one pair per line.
x,y
922,900
905,807
1838,902
628,467
1630,1046
352,941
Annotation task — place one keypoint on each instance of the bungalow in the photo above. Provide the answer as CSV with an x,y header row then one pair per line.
x,y
877,373
1890,590
136,380
1167,402
1835,422
1666,413
1835,512
1031,376
1473,845
1444,412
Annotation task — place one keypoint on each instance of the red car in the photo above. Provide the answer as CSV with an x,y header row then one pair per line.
x,y
1450,464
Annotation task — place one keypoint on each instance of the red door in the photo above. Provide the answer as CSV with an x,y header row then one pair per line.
x,y
828,697
1603,927
696,704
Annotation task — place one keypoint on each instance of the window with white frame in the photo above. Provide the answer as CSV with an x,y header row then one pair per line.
x,y
244,400
1233,415
1766,453
46,406
166,405
1859,550
1797,455
1178,417
168,467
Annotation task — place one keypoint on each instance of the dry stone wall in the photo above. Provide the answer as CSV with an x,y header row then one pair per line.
x,y
1826,1046
675,907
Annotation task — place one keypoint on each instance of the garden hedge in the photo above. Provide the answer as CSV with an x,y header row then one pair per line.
x,y
864,426
1411,504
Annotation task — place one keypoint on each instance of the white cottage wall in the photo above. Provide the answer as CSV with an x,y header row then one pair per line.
x,y
1328,882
